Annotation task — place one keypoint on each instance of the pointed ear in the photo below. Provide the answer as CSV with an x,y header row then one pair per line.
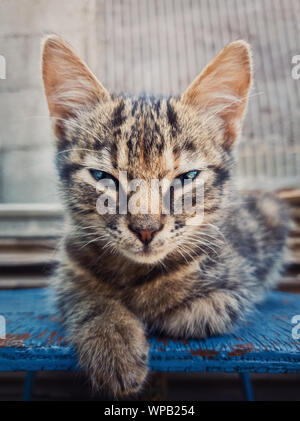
x,y
69,83
222,88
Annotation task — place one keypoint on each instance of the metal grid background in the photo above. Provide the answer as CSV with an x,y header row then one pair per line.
x,y
155,47
159,46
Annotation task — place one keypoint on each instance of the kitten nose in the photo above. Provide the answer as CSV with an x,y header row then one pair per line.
x,y
145,235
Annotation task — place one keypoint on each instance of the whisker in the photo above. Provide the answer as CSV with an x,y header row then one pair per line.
x,y
235,101
75,149
93,241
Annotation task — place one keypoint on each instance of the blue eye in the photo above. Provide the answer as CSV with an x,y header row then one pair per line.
x,y
100,175
191,175
97,174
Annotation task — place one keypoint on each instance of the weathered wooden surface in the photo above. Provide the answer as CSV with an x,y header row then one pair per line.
x,y
35,340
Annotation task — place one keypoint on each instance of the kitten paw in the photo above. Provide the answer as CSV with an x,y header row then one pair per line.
x,y
116,363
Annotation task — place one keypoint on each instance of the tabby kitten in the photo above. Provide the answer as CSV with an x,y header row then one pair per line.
x,y
123,276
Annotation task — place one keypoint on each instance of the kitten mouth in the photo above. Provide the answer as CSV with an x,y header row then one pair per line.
x,y
145,255
147,250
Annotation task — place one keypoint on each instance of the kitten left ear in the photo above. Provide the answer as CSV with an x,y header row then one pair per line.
x,y
222,88
69,83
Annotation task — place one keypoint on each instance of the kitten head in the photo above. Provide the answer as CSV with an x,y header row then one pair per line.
x,y
119,139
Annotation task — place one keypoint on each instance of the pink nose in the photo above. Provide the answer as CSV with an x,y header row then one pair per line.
x,y
145,235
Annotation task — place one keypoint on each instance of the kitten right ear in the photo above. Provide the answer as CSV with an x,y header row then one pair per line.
x,y
69,83
223,88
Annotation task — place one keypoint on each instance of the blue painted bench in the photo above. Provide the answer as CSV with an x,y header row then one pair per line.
x,y
35,341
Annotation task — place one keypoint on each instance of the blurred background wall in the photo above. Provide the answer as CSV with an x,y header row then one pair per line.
x,y
155,47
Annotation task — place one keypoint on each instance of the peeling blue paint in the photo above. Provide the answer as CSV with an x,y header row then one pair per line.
x,y
264,343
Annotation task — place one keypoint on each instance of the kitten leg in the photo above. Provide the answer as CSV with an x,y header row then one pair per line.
x,y
202,317
110,340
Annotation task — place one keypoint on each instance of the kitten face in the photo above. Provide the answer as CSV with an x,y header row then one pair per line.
x,y
149,140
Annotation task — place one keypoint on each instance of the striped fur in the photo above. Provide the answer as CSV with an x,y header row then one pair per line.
x,y
192,281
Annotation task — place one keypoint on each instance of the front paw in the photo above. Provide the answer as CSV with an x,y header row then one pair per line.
x,y
116,362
